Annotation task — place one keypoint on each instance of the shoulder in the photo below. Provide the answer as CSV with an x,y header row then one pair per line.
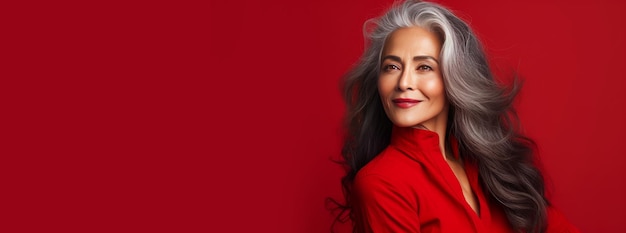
x,y
376,192
385,200
391,164
389,173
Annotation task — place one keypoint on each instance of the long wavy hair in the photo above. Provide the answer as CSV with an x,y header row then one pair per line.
x,y
481,115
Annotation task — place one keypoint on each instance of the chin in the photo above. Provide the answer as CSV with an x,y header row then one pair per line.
x,y
405,123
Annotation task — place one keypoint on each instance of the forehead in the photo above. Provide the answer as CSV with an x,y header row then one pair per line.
x,y
412,41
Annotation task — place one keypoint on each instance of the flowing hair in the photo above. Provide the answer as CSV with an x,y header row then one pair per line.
x,y
481,115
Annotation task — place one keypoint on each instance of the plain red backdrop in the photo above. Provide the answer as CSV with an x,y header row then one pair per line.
x,y
223,116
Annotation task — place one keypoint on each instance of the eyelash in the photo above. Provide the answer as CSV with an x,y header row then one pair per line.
x,y
395,67
422,67
389,67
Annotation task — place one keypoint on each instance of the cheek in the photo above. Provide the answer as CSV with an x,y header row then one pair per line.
x,y
385,88
433,88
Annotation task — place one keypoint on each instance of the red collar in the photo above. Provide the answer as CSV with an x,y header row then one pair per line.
x,y
426,141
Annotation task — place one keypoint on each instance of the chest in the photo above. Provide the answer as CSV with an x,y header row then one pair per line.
x,y
443,205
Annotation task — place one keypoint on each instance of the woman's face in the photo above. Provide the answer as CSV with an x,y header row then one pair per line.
x,y
410,83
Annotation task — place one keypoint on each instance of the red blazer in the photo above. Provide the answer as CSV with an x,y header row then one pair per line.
x,y
409,187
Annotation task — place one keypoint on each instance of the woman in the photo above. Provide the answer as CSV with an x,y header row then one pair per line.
x,y
431,145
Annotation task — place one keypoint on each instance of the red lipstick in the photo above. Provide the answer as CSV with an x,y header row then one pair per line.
x,y
405,103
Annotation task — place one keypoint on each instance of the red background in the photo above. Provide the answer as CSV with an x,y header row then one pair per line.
x,y
223,116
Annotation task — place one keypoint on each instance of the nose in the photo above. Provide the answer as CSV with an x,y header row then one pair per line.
x,y
407,81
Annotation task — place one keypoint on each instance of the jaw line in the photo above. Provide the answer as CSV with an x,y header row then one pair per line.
x,y
420,126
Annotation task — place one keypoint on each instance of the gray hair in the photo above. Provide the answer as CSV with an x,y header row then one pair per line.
x,y
481,114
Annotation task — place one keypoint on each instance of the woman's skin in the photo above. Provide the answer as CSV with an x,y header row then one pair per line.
x,y
412,91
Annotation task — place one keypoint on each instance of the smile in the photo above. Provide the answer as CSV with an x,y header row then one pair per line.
x,y
405,103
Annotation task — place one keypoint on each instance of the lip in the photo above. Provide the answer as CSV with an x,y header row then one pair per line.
x,y
405,102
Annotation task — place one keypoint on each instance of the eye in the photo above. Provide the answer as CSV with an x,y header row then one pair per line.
x,y
390,67
424,68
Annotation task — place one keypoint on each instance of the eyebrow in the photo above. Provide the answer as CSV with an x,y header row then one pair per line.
x,y
416,58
